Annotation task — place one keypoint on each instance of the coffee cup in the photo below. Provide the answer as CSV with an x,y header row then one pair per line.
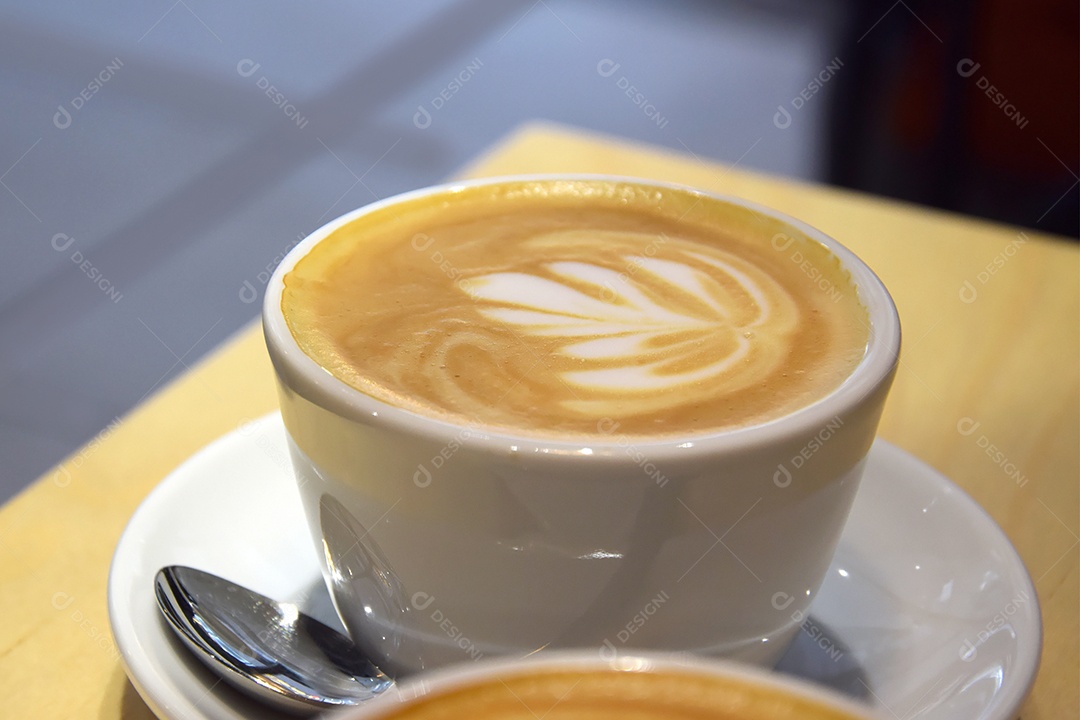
x,y
580,684
563,412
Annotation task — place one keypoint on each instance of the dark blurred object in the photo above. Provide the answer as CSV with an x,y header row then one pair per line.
x,y
971,106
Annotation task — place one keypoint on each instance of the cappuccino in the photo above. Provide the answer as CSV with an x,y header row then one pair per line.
x,y
655,694
572,307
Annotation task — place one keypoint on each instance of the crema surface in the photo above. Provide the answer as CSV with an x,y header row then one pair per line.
x,y
600,695
570,308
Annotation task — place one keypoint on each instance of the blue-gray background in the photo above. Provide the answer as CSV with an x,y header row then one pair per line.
x,y
138,140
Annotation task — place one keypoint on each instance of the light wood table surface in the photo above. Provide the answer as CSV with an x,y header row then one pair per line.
x,y
991,317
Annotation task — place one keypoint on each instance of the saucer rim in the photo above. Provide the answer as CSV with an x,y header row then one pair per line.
x,y
1010,703
160,692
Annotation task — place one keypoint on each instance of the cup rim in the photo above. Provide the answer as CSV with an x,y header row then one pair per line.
x,y
875,368
477,672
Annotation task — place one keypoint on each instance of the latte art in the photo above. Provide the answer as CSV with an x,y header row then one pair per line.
x,y
684,320
559,308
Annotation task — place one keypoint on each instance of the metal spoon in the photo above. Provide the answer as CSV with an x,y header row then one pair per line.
x,y
264,648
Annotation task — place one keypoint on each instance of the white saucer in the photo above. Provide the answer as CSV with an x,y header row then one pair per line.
x,y
927,610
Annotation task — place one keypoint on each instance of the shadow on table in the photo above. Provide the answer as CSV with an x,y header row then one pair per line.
x,y
122,700
132,706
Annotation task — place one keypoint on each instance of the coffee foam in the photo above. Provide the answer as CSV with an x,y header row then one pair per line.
x,y
552,308
601,695
643,342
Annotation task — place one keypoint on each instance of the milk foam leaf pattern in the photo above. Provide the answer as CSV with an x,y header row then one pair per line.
x,y
650,327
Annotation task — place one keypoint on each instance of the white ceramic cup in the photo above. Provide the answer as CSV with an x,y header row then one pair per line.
x,y
732,687
443,543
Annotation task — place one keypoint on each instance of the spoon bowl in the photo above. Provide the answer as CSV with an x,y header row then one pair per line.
x,y
268,649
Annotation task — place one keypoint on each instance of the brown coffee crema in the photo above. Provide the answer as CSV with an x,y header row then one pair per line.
x,y
570,308
607,695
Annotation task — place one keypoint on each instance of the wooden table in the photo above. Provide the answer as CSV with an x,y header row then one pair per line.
x,y
991,318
